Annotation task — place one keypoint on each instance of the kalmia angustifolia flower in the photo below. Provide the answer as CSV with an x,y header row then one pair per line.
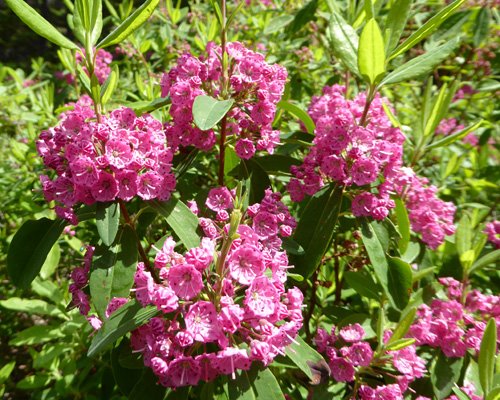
x,y
255,86
368,161
227,291
122,157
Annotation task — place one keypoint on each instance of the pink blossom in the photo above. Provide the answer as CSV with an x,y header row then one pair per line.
x,y
185,281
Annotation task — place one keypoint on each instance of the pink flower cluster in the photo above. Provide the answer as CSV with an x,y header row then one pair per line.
x,y
451,326
364,159
268,219
255,86
493,231
429,215
122,157
348,352
223,309
349,153
101,71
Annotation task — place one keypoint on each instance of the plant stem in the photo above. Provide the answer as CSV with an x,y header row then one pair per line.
x,y
142,253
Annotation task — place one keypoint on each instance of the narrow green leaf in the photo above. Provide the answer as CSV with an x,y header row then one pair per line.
x,y
277,23
395,23
233,14
95,21
180,218
315,228
29,249
390,115
255,180
84,79
403,225
301,353
399,344
487,354
113,270
400,281
32,306
110,85
421,65
207,111
125,378
344,40
303,16
426,29
258,383
299,113
363,285
36,334
107,221
481,26
127,318
454,137
463,236
486,260
371,53
39,24
51,262
369,10
292,247
403,326
6,371
134,21
418,275
460,393
80,22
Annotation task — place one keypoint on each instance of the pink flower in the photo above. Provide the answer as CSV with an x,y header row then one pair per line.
x,y
201,322
219,199
352,333
106,188
114,305
342,370
185,281
261,298
244,148
245,264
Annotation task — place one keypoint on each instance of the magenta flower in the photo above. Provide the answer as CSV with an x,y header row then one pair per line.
x,y
245,264
219,199
201,322
352,333
261,298
185,280
342,370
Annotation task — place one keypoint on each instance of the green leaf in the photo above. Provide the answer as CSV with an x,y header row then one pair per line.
x,y
147,388
207,111
231,160
481,26
277,23
486,260
395,23
125,378
417,275
399,344
29,249
81,20
113,270
127,318
494,394
301,353
400,281
277,163
421,65
487,353
439,108
110,85
444,372
258,383
95,21
299,113
363,285
463,236
255,180
454,137
303,16
403,326
403,225
344,40
371,53
37,381
37,334
32,306
134,21
460,393
393,273
292,247
39,24
51,262
49,352
107,221
6,371
315,229
180,218
427,28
